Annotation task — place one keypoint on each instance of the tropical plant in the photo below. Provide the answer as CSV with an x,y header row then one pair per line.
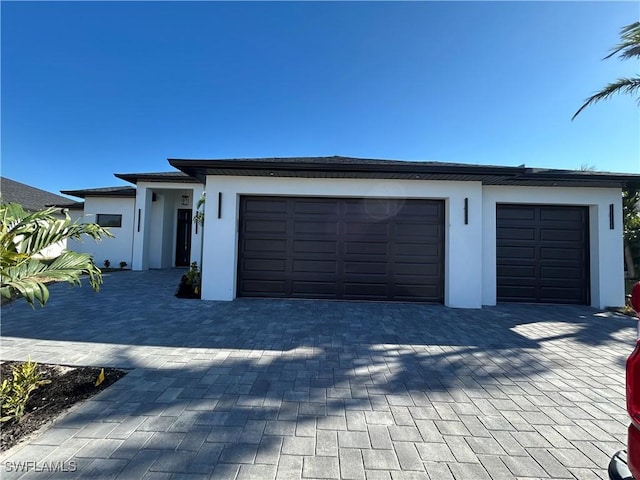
x,y
15,392
123,264
628,48
194,278
107,263
24,237
631,224
198,218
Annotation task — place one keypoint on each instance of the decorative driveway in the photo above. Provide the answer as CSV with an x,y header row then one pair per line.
x,y
312,389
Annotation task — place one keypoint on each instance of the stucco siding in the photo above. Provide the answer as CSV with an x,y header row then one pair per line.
x,y
116,249
463,250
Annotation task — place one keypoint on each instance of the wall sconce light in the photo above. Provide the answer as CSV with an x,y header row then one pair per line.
x,y
611,224
466,211
185,199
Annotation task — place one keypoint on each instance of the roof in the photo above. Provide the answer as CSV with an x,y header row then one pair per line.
x,y
175,176
348,167
31,198
102,192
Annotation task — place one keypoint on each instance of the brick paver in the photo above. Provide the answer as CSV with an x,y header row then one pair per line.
x,y
311,389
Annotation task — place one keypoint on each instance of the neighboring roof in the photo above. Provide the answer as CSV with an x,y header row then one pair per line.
x,y
102,192
348,167
175,176
31,198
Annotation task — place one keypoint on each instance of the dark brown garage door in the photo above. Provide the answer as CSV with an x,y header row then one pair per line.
x,y
341,248
542,254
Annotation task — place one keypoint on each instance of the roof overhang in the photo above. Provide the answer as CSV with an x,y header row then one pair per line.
x,y
123,192
170,177
344,167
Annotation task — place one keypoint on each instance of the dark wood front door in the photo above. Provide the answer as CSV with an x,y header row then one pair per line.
x,y
183,238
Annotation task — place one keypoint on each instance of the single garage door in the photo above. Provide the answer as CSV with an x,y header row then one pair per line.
x,y
341,248
542,254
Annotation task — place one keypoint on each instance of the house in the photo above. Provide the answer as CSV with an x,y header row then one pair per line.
x,y
362,229
33,199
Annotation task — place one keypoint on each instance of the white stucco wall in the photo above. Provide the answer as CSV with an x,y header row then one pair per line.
x,y
463,246
606,248
116,249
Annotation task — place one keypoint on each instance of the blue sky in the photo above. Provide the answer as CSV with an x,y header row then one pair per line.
x,y
93,88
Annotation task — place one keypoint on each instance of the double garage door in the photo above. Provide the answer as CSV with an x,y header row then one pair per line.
x,y
386,249
341,248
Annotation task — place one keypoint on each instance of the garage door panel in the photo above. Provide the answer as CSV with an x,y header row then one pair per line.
x,y
526,214
261,287
516,271
266,226
566,254
321,207
563,215
315,246
265,205
326,289
373,268
362,229
515,252
357,290
365,248
550,263
315,228
419,230
319,266
521,233
562,273
350,248
561,235
264,245
264,264
428,269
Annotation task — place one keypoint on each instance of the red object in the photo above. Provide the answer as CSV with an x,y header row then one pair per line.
x,y
635,297
633,451
633,395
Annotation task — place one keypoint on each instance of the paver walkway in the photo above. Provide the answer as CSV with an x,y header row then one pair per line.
x,y
311,389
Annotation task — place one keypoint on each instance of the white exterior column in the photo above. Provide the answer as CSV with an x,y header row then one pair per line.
x,y
197,232
141,227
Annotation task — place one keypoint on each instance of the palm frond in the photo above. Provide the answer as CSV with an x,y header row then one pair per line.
x,y
24,235
630,44
622,85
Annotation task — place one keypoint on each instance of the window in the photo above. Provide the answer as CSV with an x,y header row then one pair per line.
x,y
109,220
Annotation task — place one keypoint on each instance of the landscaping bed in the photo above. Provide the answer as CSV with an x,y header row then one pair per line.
x,y
69,385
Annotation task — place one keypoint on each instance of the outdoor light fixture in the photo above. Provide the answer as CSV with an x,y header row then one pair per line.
x,y
185,199
466,211
611,225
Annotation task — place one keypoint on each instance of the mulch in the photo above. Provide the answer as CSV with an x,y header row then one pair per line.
x,y
69,385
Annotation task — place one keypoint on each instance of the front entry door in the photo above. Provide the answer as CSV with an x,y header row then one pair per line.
x,y
183,240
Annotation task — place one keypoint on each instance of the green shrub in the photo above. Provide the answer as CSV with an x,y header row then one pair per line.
x,y
193,277
15,392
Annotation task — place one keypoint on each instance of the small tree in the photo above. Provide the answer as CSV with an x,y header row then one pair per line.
x,y
24,270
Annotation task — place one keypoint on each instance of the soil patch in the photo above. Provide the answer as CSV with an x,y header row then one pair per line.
x,y
69,385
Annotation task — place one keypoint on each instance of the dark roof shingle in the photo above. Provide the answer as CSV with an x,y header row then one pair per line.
x,y
31,198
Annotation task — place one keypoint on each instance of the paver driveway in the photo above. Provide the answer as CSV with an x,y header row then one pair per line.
x,y
312,389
